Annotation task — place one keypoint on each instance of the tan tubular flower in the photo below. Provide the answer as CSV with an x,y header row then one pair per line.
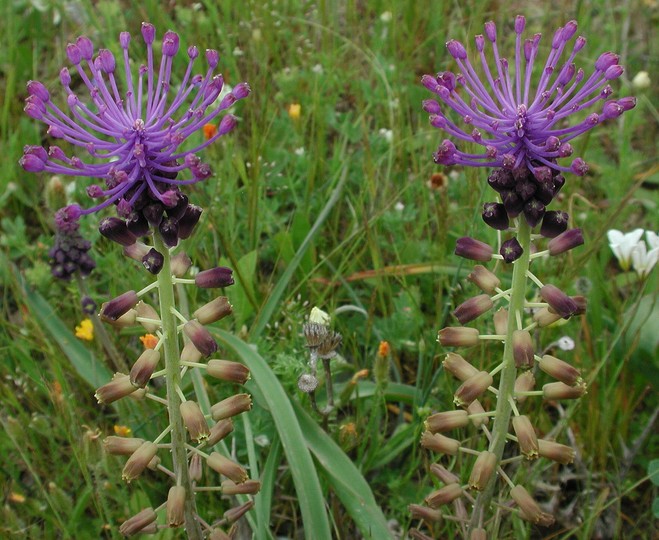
x,y
444,495
231,406
523,352
485,280
478,534
180,264
228,468
443,474
144,366
526,437
475,408
439,443
484,467
558,301
544,317
218,534
195,469
176,506
559,390
194,421
190,353
525,382
501,321
473,308
458,366
139,460
249,487
423,512
560,370
125,321
234,514
121,446
557,452
228,371
119,387
446,421
146,311
214,311
138,522
473,387
219,431
458,336
530,510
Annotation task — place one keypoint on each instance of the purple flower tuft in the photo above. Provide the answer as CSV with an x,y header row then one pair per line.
x,y
131,124
521,125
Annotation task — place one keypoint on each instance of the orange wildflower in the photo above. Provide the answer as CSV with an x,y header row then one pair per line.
x,y
384,349
149,341
209,130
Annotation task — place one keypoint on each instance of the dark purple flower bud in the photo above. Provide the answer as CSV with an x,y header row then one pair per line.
x,y
35,88
115,308
560,302
525,189
213,278
153,261
106,59
177,210
511,250
553,223
227,124
168,229
431,106
565,241
534,210
501,180
153,213
456,49
473,249
115,229
170,43
86,47
241,90
473,308
495,215
512,202
148,33
137,224
200,337
188,221
212,57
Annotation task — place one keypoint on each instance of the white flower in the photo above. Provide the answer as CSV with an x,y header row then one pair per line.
x,y
317,69
644,260
641,80
565,343
399,206
623,245
299,151
652,239
386,16
318,316
387,134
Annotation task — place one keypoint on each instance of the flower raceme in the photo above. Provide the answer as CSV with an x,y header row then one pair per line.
x,y
133,136
519,124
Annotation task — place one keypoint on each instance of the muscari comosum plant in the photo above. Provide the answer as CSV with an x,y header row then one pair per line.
x,y
525,119
141,143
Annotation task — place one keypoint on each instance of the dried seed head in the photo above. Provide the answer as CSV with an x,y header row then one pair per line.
x,y
176,506
458,366
473,387
227,467
327,348
526,437
307,383
446,421
484,467
444,495
315,334
439,443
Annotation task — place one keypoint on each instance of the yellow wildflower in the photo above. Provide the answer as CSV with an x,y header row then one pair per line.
x,y
122,431
85,330
294,110
149,341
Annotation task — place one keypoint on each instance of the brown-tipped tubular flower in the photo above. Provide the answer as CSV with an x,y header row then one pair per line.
x,y
544,317
530,510
121,446
115,229
473,308
115,308
146,311
560,370
144,366
234,514
523,352
226,467
190,353
565,242
560,302
484,279
214,278
443,474
526,437
556,451
180,264
484,467
226,370
500,320
196,468
473,387
525,382
119,387
139,460
219,431
458,366
194,421
214,310
446,421
444,495
202,339
419,511
136,251
138,522
473,249
458,336
176,506
559,390
475,409
439,443
248,487
231,406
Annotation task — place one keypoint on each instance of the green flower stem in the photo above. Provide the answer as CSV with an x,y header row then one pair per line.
x,y
173,379
509,371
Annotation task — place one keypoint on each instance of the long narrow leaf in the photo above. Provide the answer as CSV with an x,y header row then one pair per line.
x,y
307,485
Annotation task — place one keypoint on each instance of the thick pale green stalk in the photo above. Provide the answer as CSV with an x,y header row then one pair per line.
x,y
173,379
508,373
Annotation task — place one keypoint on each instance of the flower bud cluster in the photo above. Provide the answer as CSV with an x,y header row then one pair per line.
x,y
70,252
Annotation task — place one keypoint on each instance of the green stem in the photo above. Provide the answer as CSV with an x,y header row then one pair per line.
x,y
508,373
173,379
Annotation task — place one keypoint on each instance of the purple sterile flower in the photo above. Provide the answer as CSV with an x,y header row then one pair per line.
x,y
131,123
520,124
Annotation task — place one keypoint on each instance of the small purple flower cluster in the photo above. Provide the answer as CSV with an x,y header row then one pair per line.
x,y
133,138
69,254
